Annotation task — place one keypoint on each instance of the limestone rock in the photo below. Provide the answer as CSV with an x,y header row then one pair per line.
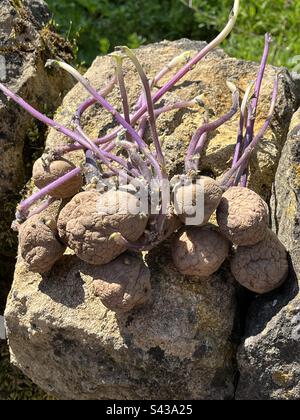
x,y
24,51
269,358
177,346
286,191
26,42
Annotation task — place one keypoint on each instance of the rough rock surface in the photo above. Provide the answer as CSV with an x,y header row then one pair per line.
x,y
25,45
269,358
179,345
26,42
285,200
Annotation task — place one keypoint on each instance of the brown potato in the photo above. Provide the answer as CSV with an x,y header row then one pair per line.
x,y
243,216
123,284
43,174
262,267
87,222
206,191
199,251
39,245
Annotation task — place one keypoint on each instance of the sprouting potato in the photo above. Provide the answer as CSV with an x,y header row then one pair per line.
x,y
87,224
45,173
205,191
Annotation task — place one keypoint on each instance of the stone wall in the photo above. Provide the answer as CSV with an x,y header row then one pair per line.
x,y
269,357
27,40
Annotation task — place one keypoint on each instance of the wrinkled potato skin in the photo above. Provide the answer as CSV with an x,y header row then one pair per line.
x,y
123,284
86,223
243,216
212,197
171,225
38,242
263,267
199,251
44,175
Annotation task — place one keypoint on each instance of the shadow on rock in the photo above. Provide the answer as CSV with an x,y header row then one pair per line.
x,y
64,283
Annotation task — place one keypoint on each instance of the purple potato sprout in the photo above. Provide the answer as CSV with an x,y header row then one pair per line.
x,y
140,164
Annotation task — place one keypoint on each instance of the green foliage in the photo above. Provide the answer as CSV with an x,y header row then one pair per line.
x,y
280,18
100,25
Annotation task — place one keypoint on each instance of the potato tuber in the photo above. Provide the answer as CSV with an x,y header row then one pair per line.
x,y
87,224
243,216
151,239
199,251
262,267
39,245
44,173
123,284
205,192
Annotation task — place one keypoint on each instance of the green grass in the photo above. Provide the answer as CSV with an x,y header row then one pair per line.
x,y
100,25
280,18
97,26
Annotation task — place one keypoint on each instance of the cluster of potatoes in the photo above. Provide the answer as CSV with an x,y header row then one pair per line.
x,y
90,222
86,224
258,259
